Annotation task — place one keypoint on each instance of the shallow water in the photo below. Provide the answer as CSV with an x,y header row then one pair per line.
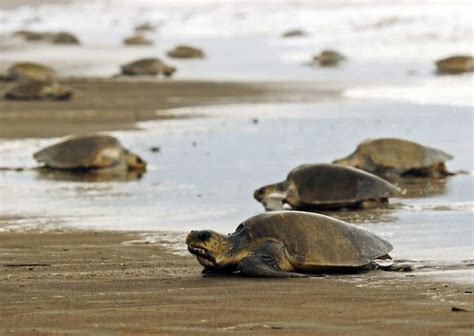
x,y
208,167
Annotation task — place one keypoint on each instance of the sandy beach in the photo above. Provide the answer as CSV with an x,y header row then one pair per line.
x,y
82,282
101,282
88,255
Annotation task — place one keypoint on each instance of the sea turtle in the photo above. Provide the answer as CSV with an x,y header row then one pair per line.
x,y
145,27
392,158
30,35
455,64
183,51
294,33
147,66
326,187
285,244
89,153
30,71
137,40
329,58
37,90
64,38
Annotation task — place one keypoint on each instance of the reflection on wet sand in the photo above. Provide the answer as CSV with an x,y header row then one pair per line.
x,y
382,215
88,176
413,187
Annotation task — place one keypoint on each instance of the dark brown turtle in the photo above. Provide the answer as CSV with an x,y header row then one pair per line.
x,y
294,33
455,64
147,66
286,244
392,158
64,38
326,187
91,152
329,58
39,90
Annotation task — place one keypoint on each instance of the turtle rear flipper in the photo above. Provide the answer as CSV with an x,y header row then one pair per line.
x,y
266,262
393,266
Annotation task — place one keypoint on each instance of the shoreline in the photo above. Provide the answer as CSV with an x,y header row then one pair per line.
x,y
85,281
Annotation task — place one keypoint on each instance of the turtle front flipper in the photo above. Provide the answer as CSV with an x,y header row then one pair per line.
x,y
273,204
268,262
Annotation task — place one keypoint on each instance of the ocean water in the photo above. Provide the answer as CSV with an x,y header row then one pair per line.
x,y
391,46
208,167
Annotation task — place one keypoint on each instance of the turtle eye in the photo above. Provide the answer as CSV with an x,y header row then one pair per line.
x,y
204,235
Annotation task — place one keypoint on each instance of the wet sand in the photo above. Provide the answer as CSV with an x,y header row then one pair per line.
x,y
106,105
117,104
90,282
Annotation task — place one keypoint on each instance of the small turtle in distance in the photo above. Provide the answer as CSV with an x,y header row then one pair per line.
x,y
89,153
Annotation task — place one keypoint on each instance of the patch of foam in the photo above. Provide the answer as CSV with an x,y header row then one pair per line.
x,y
438,90
452,206
174,242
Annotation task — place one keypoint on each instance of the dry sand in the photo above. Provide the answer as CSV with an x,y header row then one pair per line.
x,y
91,283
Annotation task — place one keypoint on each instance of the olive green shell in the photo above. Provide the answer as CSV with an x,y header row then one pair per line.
x,y
400,154
80,152
329,58
313,240
37,90
146,66
183,51
326,184
137,40
30,71
64,38
455,64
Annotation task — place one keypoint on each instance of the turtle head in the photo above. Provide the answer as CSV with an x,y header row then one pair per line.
x,y
211,248
353,160
272,196
133,161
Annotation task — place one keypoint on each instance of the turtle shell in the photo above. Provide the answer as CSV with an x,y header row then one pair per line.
x,y
400,154
455,64
82,152
30,71
146,66
183,51
31,90
315,241
332,184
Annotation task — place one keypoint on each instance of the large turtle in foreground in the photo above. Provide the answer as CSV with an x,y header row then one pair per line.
x,y
392,158
325,187
89,153
39,90
284,244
